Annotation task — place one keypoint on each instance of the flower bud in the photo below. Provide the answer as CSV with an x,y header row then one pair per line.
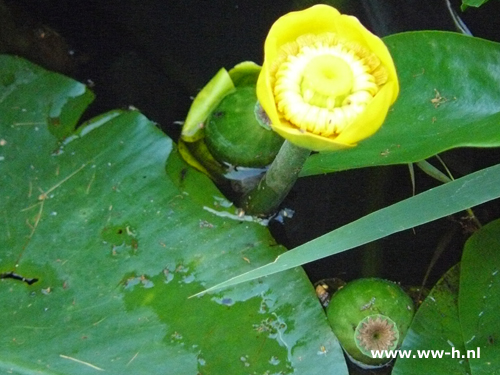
x,y
223,128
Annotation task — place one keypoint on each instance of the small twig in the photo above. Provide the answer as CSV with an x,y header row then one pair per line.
x,y
28,123
82,362
42,197
132,359
90,183
44,194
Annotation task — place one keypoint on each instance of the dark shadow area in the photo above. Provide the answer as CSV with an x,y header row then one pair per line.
x,y
156,55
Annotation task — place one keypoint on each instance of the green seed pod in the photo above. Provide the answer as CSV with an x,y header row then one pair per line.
x,y
370,314
234,136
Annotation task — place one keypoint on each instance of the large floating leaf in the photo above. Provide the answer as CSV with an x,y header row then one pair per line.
x,y
449,98
435,330
458,322
100,249
480,298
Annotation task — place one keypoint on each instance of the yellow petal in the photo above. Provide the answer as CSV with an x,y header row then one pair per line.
x,y
378,77
368,122
350,27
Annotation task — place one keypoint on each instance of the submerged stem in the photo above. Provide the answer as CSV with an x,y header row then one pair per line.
x,y
277,182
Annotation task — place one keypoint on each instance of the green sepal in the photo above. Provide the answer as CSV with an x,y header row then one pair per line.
x,y
192,144
234,136
222,84
204,103
245,73
195,152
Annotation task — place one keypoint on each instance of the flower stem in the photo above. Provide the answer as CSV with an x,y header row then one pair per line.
x,y
277,182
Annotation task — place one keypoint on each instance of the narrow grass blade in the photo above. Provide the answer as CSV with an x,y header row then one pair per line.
x,y
471,190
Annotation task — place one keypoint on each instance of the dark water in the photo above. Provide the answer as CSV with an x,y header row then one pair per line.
x,y
156,55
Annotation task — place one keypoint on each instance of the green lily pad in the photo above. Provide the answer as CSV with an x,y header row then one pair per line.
x,y
448,99
107,234
459,317
479,298
435,330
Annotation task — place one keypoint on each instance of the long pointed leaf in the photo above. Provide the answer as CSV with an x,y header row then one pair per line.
x,y
458,195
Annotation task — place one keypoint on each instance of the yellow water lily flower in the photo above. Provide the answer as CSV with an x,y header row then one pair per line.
x,y
326,82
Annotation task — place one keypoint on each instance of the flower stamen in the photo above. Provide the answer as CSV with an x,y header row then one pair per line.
x,y
321,84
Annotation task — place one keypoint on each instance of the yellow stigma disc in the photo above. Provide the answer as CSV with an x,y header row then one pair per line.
x,y
326,81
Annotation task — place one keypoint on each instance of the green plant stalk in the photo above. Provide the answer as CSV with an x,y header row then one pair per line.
x,y
277,182
372,261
